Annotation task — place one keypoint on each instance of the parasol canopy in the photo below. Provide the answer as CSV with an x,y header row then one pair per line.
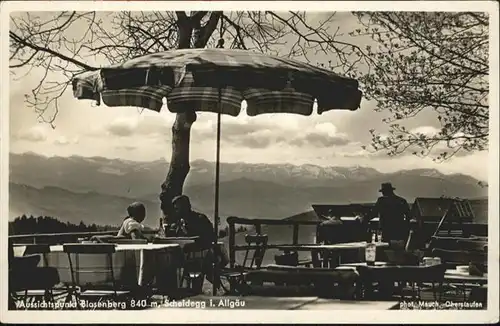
x,y
190,79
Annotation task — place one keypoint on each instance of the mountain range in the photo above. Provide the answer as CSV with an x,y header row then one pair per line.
x,y
97,190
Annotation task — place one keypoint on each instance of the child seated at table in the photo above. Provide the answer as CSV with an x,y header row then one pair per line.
x,y
132,226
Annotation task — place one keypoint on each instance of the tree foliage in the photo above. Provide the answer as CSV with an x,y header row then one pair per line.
x,y
47,224
429,61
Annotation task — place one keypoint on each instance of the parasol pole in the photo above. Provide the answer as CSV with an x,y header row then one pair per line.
x,y
215,284
215,274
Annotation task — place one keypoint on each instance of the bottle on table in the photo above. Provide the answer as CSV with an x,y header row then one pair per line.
x,y
371,251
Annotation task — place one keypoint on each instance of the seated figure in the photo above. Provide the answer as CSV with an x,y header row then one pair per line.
x,y
132,226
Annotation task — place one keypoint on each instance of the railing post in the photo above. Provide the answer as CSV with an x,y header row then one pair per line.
x,y
232,241
295,233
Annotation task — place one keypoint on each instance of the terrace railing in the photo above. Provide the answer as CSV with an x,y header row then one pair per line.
x,y
59,238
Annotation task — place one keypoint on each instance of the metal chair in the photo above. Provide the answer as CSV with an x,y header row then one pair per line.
x,y
78,289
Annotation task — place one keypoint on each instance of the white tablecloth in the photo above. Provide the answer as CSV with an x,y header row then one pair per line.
x,y
132,263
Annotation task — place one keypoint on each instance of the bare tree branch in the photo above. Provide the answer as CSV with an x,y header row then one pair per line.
x,y
37,48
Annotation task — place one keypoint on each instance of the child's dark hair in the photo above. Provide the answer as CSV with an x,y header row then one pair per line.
x,y
136,210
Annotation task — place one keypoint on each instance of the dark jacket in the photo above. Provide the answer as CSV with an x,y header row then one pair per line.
x,y
199,225
394,214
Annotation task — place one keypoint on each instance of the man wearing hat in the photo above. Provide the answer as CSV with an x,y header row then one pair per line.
x,y
394,214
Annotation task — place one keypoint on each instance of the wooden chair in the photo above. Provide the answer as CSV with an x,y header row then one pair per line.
x,y
77,289
25,276
193,267
237,274
257,243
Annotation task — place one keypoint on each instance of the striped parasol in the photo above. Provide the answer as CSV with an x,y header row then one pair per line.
x,y
190,79
218,80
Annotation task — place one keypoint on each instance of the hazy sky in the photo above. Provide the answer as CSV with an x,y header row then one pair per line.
x,y
334,138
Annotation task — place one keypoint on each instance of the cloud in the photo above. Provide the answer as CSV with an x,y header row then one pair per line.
x,y
122,126
255,142
63,141
256,139
127,147
139,125
322,135
268,132
36,133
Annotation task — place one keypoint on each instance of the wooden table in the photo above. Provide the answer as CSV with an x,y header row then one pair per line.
x,y
330,259
330,247
285,303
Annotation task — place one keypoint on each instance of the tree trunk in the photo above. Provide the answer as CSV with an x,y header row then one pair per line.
x,y
179,162
181,130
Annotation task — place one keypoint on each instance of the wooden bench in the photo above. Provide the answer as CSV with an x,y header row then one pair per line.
x,y
324,280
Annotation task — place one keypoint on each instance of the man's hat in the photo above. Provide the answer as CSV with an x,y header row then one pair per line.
x,y
180,197
386,186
